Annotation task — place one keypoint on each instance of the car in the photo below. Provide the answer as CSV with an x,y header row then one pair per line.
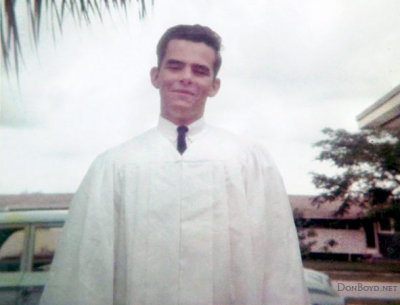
x,y
27,243
28,240
320,289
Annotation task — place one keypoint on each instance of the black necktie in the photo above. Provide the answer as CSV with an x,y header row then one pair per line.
x,y
181,143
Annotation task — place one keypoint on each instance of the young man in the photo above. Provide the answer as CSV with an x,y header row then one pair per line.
x,y
183,214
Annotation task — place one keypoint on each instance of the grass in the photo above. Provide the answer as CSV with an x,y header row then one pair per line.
x,y
371,302
374,267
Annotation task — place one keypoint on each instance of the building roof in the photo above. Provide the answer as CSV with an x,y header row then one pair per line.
x,y
304,208
385,113
302,204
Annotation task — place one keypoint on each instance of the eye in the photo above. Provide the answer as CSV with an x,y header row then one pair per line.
x,y
173,65
201,70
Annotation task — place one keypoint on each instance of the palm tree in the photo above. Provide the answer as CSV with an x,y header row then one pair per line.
x,y
79,9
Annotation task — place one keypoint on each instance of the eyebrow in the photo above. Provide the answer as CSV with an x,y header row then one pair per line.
x,y
173,62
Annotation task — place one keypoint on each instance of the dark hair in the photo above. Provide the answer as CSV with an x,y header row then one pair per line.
x,y
195,33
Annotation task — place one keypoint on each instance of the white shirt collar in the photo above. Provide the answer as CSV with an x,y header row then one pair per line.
x,y
168,129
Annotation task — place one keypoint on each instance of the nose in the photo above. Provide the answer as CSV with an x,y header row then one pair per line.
x,y
186,76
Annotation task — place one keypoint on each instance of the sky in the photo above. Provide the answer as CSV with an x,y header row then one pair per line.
x,y
290,68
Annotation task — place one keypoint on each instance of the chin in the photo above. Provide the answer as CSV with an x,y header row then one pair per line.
x,y
181,107
181,116
183,103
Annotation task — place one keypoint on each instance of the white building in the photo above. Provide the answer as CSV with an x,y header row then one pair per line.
x,y
384,113
353,236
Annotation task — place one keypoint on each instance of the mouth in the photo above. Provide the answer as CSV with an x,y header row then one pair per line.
x,y
183,91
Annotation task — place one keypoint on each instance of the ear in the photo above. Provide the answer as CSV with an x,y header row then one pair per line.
x,y
154,73
215,87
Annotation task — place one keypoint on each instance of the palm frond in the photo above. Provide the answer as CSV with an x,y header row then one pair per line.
x,y
80,10
9,34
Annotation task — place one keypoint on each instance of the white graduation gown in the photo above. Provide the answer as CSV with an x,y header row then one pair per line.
x,y
149,226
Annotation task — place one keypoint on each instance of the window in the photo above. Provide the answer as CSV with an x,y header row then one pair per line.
x,y
369,233
385,224
11,248
349,224
45,244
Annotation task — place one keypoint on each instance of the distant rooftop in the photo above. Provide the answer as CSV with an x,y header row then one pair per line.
x,y
301,203
385,113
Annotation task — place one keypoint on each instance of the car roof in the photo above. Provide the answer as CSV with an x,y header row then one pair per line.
x,y
33,216
34,201
317,275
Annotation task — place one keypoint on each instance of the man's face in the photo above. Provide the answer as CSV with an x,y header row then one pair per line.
x,y
185,79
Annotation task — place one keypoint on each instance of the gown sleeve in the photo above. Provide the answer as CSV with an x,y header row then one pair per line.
x,y
275,241
82,271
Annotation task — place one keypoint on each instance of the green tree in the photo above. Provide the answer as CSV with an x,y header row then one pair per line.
x,y
368,164
79,9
